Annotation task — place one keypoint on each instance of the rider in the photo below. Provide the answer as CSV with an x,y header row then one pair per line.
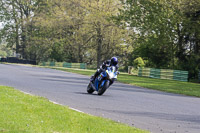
x,y
112,62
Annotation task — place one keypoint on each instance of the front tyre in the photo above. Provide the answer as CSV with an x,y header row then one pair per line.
x,y
104,88
90,89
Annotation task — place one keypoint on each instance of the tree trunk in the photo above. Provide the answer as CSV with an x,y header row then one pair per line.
x,y
17,39
180,43
80,56
16,28
23,34
197,44
99,45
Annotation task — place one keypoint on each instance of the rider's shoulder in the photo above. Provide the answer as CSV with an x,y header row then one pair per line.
x,y
107,61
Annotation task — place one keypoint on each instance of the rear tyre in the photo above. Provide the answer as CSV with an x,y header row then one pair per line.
x,y
90,89
103,89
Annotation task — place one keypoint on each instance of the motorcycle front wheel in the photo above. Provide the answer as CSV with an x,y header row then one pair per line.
x,y
104,88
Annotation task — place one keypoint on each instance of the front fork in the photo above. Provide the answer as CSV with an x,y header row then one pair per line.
x,y
103,82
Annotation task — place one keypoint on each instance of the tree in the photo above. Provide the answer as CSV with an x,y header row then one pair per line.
x,y
60,30
16,14
167,33
81,29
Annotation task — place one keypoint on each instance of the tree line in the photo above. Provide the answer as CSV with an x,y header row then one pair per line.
x,y
163,33
63,30
167,32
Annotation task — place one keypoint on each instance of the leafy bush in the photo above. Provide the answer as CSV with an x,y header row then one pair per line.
x,y
138,62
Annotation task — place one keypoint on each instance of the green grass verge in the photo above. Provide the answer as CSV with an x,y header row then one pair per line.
x,y
172,86
20,113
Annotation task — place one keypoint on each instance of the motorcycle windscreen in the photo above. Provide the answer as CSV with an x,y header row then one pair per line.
x,y
112,72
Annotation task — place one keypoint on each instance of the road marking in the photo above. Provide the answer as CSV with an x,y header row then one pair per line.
x,y
56,103
27,93
76,110
69,107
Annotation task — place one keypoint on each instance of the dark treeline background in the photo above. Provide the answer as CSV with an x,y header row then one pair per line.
x,y
161,33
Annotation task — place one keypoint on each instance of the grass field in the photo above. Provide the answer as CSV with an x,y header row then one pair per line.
x,y
22,113
172,86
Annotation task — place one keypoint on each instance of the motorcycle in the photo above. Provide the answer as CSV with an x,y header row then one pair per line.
x,y
102,82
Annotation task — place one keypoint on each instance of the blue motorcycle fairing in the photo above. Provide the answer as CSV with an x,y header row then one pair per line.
x,y
98,79
103,82
96,83
104,74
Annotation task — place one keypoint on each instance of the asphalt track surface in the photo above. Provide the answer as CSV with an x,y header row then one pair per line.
x,y
156,111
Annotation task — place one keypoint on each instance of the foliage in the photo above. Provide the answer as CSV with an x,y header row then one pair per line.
x,y
5,51
138,62
60,30
167,33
